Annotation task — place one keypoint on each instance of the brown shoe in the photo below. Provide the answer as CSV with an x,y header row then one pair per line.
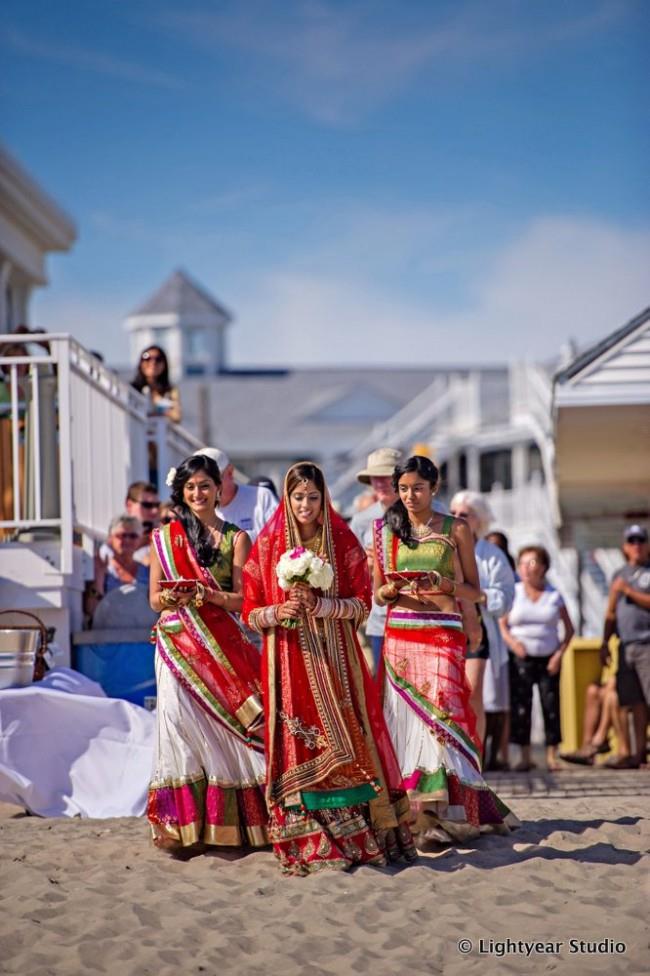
x,y
622,762
581,757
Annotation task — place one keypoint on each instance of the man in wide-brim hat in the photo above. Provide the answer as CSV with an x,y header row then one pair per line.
x,y
378,473
379,470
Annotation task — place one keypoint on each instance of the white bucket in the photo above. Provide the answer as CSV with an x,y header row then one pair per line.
x,y
18,647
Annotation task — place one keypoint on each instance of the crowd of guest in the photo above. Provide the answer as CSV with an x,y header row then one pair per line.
x,y
525,630
516,632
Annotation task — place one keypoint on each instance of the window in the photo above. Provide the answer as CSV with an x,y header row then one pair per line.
x,y
535,466
462,472
444,477
496,466
196,347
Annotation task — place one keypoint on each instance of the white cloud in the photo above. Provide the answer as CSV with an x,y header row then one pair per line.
x,y
336,62
565,277
559,278
85,59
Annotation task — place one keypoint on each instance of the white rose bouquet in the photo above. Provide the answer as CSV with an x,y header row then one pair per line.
x,y
301,565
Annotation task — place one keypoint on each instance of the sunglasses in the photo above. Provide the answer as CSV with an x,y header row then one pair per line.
x,y
636,541
126,535
151,357
166,519
148,505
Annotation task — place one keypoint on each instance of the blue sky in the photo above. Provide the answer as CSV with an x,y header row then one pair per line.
x,y
357,181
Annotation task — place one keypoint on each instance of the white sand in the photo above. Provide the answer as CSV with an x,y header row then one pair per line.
x,y
90,896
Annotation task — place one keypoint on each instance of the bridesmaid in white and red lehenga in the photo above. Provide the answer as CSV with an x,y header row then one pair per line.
x,y
209,771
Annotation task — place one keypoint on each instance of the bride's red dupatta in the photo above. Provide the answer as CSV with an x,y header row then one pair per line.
x,y
324,730
204,647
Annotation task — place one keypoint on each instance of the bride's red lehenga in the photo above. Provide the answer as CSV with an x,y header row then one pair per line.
x,y
334,789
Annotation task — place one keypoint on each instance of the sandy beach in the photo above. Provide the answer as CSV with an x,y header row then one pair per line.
x,y
92,896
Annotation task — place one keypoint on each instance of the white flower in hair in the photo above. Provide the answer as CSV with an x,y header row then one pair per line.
x,y
171,474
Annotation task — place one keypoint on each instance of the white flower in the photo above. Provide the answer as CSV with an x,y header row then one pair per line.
x,y
322,578
171,474
301,565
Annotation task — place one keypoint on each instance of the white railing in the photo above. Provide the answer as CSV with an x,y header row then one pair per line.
x,y
169,444
609,560
526,516
73,436
441,399
105,422
593,606
531,394
531,405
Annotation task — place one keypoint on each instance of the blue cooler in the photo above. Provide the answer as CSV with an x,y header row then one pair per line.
x,y
121,661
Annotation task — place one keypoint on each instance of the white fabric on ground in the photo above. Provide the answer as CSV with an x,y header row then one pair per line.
x,y
67,750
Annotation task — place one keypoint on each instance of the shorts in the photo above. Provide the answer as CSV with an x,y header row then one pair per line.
x,y
633,675
482,652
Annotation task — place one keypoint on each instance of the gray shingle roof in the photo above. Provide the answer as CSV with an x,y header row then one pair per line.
x,y
180,294
291,411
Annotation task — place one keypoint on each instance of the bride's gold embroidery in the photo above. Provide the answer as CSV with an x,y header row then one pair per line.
x,y
310,734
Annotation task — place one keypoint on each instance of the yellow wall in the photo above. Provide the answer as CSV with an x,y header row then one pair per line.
x,y
580,667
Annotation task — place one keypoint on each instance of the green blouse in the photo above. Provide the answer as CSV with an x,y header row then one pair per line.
x,y
434,553
222,570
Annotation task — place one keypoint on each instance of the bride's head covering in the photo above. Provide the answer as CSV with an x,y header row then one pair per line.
x,y
339,546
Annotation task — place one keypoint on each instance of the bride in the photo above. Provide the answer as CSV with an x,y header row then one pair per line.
x,y
333,787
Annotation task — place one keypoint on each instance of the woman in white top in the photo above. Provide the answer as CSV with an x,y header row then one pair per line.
x,y
532,632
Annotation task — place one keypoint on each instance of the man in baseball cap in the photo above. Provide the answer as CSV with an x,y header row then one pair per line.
x,y
635,533
628,615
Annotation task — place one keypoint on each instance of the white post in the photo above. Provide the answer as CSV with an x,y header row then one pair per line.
x,y
519,466
36,441
14,440
473,468
61,350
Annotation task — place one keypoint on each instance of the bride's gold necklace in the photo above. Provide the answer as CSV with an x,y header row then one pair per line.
x,y
315,541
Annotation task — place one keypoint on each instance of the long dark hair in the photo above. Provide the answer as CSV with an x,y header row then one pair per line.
x,y
197,533
396,517
306,472
161,384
